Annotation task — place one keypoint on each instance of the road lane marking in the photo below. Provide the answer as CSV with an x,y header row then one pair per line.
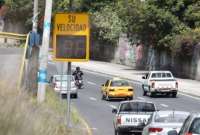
x,y
164,105
190,96
91,83
93,99
141,98
52,63
94,128
112,106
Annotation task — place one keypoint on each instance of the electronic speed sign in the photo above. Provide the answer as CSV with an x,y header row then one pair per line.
x,y
71,37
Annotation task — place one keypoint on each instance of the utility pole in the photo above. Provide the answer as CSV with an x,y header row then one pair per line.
x,y
43,57
69,80
35,16
31,63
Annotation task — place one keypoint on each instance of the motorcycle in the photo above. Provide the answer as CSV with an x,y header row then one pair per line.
x,y
79,84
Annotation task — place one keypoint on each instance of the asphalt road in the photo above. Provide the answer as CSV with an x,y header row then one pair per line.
x,y
98,113
10,61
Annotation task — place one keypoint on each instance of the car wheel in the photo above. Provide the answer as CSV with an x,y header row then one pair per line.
x,y
130,98
117,132
152,94
75,95
144,93
168,94
102,97
174,94
107,97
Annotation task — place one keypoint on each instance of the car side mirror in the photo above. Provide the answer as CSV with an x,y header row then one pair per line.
x,y
172,132
143,77
114,110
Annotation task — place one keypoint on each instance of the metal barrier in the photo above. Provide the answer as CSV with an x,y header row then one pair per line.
x,y
13,36
23,62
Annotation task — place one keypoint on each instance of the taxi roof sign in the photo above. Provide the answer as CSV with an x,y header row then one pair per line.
x,y
71,37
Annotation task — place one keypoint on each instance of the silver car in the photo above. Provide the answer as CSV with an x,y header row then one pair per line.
x,y
162,122
191,126
56,82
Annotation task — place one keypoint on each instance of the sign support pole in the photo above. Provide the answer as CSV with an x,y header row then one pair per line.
x,y
68,93
61,83
43,56
69,82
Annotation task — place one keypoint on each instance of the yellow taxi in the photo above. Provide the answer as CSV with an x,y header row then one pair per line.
x,y
117,88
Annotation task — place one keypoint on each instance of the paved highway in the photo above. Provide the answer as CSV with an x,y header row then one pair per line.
x,y
98,113
10,61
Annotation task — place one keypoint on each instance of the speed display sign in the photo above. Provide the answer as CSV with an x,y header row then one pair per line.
x,y
71,37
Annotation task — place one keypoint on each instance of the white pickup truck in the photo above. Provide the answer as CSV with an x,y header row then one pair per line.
x,y
132,116
159,82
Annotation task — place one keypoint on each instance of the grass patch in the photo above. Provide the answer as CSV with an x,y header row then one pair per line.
x,y
20,114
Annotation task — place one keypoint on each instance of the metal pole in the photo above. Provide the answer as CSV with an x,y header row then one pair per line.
x,y
61,88
43,57
34,28
35,15
69,81
68,93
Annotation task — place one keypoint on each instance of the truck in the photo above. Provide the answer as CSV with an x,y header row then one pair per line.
x,y
159,82
132,116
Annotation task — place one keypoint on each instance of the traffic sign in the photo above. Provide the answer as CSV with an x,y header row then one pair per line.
x,y
71,37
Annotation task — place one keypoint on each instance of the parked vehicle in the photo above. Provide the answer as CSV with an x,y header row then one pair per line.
x,y
160,82
132,116
191,126
117,88
163,121
56,82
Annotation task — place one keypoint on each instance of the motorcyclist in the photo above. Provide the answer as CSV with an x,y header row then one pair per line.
x,y
78,74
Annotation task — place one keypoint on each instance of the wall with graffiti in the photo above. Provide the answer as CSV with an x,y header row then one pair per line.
x,y
129,54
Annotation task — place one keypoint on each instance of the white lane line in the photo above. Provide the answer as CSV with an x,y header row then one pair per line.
x,y
53,63
91,83
112,106
141,98
94,128
190,96
93,99
164,105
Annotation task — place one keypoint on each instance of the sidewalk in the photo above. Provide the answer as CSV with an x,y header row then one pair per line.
x,y
186,86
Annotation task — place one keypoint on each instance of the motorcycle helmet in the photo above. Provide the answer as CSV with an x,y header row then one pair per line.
x,y
78,68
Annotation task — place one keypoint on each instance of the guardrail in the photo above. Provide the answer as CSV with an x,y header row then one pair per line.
x,y
23,62
13,36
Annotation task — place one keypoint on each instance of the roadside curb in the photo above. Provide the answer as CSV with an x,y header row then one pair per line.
x,y
189,94
181,92
111,75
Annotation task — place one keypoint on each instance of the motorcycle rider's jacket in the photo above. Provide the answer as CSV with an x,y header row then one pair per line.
x,y
77,75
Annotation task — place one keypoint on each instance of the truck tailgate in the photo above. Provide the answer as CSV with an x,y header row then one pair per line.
x,y
134,119
165,84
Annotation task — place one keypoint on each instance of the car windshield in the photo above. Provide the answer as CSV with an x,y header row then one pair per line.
x,y
195,127
118,83
137,107
64,78
161,75
170,117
